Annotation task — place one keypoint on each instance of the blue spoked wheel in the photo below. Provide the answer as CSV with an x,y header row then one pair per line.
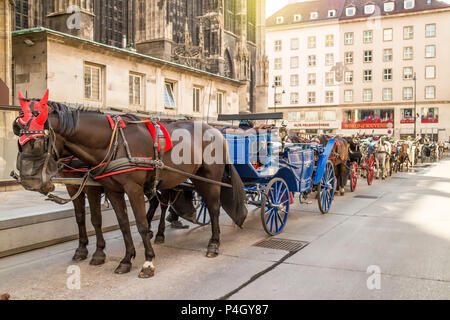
x,y
203,214
326,188
275,206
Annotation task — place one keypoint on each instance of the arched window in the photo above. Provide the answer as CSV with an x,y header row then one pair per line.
x,y
228,66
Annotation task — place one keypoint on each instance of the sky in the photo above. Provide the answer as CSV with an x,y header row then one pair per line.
x,y
273,6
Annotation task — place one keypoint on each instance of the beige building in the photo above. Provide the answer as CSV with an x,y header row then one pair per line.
x,y
383,46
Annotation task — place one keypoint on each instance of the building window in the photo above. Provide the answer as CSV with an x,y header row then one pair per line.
x,y
294,62
369,9
92,82
278,64
389,6
311,61
408,93
331,13
387,94
277,81
294,97
348,38
349,57
230,16
348,95
280,20
329,40
408,33
387,35
387,74
294,44
311,42
196,99
311,115
408,53
350,11
329,59
430,92
314,15
294,116
367,75
430,30
135,88
294,80
348,78
219,101
430,72
297,17
278,98
368,36
311,97
430,51
368,56
367,95
408,73
329,115
311,79
277,45
329,96
169,97
408,4
22,21
387,55
329,78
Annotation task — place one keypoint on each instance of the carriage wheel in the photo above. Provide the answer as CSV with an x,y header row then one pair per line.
x,y
354,176
370,167
326,188
275,206
202,216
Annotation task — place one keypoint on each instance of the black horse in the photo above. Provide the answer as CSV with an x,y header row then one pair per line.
x,y
89,136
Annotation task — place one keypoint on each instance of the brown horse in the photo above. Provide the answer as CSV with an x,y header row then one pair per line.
x,y
403,157
88,136
339,157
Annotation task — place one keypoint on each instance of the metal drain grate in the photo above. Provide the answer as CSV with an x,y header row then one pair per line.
x,y
281,244
363,196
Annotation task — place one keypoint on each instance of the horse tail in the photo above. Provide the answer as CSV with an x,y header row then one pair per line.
x,y
233,200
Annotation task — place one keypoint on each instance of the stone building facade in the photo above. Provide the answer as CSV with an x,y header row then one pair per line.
x,y
225,37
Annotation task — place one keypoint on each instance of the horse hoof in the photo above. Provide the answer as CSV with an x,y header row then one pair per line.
x,y
98,258
150,234
123,268
342,192
213,250
80,254
159,239
147,273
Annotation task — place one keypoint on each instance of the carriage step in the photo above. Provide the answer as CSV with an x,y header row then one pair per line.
x,y
281,244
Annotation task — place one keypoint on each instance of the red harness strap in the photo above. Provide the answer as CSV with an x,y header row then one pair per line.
x,y
152,129
112,124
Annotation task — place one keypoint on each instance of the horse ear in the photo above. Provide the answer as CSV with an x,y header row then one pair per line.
x,y
44,100
42,117
25,107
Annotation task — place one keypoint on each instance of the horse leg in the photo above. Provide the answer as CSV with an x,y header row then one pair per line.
x,y
136,195
211,196
79,205
117,200
342,178
94,195
154,204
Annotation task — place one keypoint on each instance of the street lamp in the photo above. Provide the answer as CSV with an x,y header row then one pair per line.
x,y
275,95
415,106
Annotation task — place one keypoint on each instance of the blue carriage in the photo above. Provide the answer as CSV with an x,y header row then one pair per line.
x,y
273,172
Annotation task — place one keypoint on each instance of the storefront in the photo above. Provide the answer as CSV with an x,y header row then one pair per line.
x,y
313,128
368,121
428,123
